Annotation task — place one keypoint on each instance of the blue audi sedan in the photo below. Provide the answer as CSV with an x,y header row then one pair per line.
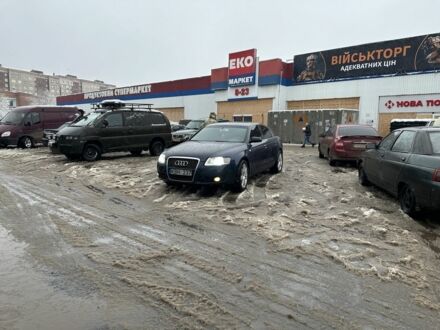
x,y
222,154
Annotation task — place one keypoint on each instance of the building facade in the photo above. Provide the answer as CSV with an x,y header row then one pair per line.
x,y
379,81
39,88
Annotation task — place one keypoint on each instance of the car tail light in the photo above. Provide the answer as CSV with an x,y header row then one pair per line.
x,y
339,145
436,175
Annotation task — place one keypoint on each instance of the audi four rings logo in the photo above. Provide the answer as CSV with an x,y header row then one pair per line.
x,y
181,163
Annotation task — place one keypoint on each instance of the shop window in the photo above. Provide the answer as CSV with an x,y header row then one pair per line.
x,y
242,118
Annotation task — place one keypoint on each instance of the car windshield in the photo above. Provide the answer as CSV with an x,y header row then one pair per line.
x,y
357,131
221,134
194,125
87,119
435,141
13,118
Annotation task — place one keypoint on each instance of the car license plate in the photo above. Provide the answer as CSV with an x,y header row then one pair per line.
x,y
179,171
359,145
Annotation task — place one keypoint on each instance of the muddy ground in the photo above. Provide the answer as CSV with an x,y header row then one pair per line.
x,y
107,245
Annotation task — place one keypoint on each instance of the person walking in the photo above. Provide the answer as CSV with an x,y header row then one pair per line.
x,y
307,134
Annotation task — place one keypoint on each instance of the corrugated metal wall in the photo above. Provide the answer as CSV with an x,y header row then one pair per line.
x,y
367,90
257,108
173,114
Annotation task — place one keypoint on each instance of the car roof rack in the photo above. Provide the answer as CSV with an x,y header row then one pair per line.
x,y
120,105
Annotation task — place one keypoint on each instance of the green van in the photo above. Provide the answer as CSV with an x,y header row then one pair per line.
x,y
115,126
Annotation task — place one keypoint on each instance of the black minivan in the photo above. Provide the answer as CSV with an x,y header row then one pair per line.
x,y
115,126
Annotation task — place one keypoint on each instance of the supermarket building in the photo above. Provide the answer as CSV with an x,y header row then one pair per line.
x,y
379,81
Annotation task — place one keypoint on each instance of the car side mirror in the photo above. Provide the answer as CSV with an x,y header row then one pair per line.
x,y
28,123
256,139
104,123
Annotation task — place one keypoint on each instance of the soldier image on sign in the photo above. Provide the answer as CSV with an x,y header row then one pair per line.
x,y
428,54
311,72
434,55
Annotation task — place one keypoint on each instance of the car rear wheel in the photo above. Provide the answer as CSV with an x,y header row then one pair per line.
x,y
362,176
26,142
91,152
407,200
321,155
331,161
156,148
242,177
278,166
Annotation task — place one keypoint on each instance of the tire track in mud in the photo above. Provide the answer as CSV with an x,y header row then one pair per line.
x,y
210,269
253,286
307,219
33,198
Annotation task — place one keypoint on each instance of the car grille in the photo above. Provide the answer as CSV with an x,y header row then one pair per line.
x,y
182,168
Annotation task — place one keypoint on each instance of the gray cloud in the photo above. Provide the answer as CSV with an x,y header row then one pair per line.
x,y
133,41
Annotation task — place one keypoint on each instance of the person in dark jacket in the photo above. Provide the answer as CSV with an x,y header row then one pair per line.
x,y
307,134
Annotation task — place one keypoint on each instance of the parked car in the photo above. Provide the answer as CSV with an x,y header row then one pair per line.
x,y
222,153
346,142
434,123
176,126
398,123
116,126
24,126
190,129
406,164
49,134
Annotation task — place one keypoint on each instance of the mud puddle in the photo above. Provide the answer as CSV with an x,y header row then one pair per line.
x,y
29,301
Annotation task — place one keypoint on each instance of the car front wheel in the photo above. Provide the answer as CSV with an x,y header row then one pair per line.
x,y
26,142
156,148
242,177
91,152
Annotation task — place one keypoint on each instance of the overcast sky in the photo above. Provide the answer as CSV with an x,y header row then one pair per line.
x,y
128,42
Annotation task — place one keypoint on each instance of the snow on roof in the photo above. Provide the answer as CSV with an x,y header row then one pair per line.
x,y
409,120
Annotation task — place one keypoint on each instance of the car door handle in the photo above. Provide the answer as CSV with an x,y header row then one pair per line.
x,y
402,159
381,155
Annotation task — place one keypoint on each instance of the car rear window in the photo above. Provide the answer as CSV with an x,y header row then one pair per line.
x,y
357,130
157,119
435,141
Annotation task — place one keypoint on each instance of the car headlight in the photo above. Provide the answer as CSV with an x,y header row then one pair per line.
x,y
69,137
217,161
161,159
6,134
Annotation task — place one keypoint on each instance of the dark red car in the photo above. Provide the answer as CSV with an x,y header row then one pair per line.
x,y
346,142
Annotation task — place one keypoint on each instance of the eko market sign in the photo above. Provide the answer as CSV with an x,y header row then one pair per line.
x,y
400,56
242,68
